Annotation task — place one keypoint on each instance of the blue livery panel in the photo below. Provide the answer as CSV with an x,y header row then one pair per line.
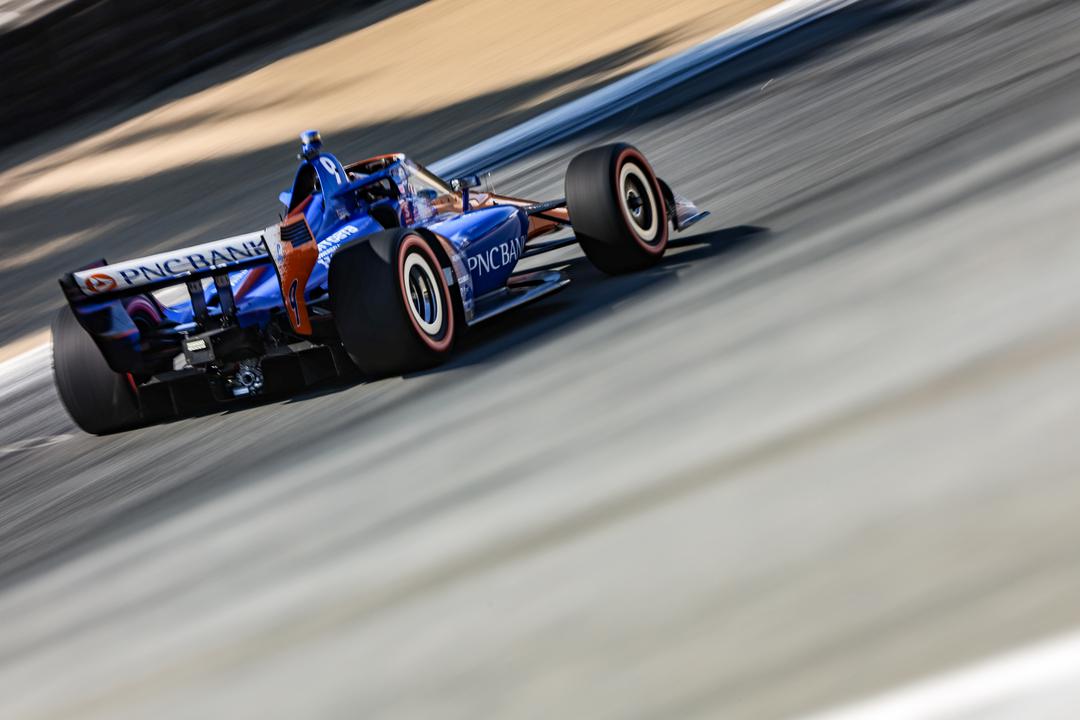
x,y
492,240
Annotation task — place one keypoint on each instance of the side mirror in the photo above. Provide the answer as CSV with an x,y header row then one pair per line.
x,y
465,182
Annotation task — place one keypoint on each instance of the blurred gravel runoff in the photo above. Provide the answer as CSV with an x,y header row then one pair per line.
x,y
825,449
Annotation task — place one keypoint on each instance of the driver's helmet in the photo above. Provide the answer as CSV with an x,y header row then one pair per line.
x,y
310,144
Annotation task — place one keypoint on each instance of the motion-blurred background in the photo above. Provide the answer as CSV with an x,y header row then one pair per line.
x,y
824,453
425,78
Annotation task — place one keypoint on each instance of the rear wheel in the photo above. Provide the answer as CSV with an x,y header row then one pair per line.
x,y
392,305
99,399
617,208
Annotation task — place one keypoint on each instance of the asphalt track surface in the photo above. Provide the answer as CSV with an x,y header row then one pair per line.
x,y
826,448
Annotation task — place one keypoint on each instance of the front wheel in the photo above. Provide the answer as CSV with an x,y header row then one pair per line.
x,y
392,305
617,208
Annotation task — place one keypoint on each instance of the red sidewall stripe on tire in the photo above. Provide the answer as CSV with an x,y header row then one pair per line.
x,y
409,243
141,304
137,306
660,245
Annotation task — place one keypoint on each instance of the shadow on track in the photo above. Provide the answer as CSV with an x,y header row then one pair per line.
x,y
592,293
589,294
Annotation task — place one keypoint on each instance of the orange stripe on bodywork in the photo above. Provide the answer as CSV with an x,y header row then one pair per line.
x,y
387,158
301,208
294,269
537,225
249,281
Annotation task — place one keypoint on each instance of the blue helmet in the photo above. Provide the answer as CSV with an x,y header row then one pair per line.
x,y
310,144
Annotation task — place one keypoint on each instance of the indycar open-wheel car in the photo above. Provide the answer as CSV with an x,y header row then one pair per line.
x,y
377,266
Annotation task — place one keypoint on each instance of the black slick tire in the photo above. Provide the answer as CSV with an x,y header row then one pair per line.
x,y
100,400
392,306
617,208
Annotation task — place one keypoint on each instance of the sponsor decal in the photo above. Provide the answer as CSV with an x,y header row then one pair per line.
x,y
169,266
138,274
497,256
329,244
99,283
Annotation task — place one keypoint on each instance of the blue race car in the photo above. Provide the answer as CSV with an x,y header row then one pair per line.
x,y
377,266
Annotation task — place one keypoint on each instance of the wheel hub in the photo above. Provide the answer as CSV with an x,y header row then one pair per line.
x,y
638,201
423,294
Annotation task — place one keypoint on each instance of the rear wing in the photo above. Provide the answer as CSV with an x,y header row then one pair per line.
x,y
290,247
134,277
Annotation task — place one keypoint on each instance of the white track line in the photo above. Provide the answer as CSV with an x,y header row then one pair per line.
x,y
579,114
1032,674
24,369
649,82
